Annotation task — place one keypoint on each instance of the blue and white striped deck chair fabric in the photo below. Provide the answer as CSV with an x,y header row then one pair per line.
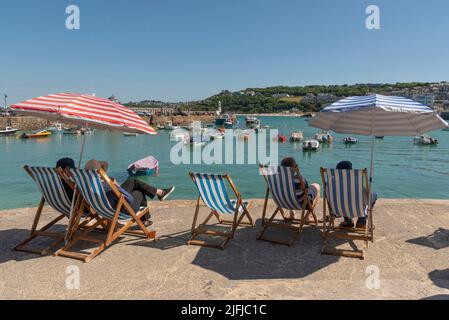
x,y
52,189
345,193
91,187
281,182
213,192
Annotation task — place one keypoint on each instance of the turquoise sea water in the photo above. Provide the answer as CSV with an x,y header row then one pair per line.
x,y
402,170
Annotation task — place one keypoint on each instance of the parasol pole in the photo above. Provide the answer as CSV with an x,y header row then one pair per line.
x,y
83,143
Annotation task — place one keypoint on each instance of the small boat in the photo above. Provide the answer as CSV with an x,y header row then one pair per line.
x,y
379,137
160,127
170,126
56,128
310,145
148,166
86,131
8,130
424,140
70,131
178,134
252,122
130,134
324,137
36,134
296,136
349,140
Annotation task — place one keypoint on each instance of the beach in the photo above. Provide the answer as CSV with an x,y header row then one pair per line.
x,y
409,255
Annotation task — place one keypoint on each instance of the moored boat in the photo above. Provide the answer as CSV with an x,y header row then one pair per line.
x,y
8,130
129,134
310,145
36,134
296,136
350,140
424,140
324,137
252,122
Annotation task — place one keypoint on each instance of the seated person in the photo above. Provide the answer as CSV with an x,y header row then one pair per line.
x,y
361,222
313,191
63,164
135,191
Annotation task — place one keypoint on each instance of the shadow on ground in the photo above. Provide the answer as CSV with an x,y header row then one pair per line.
x,y
438,240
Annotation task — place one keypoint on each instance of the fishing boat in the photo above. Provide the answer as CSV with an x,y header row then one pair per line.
x,y
324,137
225,120
129,134
296,136
424,140
36,134
349,140
56,128
310,145
8,130
252,122
148,166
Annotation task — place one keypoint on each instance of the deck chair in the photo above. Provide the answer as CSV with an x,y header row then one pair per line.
x,y
346,194
213,193
49,182
118,221
281,184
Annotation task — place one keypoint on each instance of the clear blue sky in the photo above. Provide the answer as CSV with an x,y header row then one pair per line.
x,y
189,49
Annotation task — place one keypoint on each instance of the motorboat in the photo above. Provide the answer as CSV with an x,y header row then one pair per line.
x,y
178,134
170,126
70,131
349,140
310,145
148,166
252,122
424,140
296,136
86,131
130,134
36,134
56,128
8,130
324,137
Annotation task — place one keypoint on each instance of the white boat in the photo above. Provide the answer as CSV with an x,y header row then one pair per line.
x,y
252,122
86,131
170,126
296,136
56,128
424,140
324,137
310,145
179,134
350,140
8,130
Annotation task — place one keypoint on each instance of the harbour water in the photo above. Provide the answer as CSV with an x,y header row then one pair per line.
x,y
402,170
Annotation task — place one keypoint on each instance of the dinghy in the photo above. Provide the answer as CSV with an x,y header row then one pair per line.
x,y
148,166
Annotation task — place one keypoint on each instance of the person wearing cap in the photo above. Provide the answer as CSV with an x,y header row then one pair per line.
x,y
64,163
135,191
361,222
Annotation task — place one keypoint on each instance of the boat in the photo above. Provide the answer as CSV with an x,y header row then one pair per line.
x,y
280,137
8,130
424,140
296,136
170,126
148,166
224,120
160,127
379,137
324,137
36,134
85,131
445,129
349,140
252,122
178,134
130,134
56,128
69,131
310,145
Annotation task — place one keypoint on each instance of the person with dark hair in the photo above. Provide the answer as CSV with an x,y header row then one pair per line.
x,y
361,222
64,163
135,191
313,191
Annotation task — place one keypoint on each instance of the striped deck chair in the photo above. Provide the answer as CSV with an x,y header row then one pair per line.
x,y
346,194
118,220
213,193
281,184
49,182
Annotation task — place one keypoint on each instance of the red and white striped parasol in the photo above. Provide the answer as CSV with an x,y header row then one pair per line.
x,y
84,110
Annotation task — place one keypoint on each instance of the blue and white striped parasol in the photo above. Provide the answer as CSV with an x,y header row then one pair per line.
x,y
378,115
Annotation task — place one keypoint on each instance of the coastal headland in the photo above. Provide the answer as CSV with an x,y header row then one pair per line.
x,y
408,260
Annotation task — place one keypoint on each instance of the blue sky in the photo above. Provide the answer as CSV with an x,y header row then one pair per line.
x,y
178,50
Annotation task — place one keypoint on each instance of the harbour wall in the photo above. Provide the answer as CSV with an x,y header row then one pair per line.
x,y
33,123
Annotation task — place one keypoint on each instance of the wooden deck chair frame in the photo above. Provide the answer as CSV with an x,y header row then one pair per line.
x,y
203,229
36,232
330,230
286,223
113,229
